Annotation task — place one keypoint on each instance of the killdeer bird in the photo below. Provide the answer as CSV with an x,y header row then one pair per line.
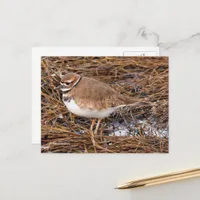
x,y
88,97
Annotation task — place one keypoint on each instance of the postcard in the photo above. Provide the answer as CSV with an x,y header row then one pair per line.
x,y
104,104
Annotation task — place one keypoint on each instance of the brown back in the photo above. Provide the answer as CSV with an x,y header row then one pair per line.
x,y
93,94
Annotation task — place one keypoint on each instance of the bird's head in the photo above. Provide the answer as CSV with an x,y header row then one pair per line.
x,y
68,81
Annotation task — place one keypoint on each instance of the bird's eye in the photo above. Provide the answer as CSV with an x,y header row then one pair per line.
x,y
67,83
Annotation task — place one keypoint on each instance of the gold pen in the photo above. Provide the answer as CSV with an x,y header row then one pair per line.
x,y
166,178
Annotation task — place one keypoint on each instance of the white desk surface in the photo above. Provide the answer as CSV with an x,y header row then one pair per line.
x,y
172,25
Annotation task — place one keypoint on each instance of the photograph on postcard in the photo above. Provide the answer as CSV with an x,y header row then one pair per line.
x,y
107,104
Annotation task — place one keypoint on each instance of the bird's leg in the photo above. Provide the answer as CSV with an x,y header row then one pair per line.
x,y
92,124
71,116
92,134
97,126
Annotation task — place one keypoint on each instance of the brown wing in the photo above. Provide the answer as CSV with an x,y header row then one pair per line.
x,y
96,94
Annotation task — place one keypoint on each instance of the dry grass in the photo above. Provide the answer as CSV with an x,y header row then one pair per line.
x,y
143,78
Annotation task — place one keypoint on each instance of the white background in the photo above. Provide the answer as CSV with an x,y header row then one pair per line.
x,y
172,25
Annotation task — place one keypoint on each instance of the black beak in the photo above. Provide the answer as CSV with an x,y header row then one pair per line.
x,y
58,87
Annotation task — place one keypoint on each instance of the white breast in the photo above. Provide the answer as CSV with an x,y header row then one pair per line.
x,y
85,112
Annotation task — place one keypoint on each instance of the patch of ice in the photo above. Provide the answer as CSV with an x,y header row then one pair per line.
x,y
130,129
